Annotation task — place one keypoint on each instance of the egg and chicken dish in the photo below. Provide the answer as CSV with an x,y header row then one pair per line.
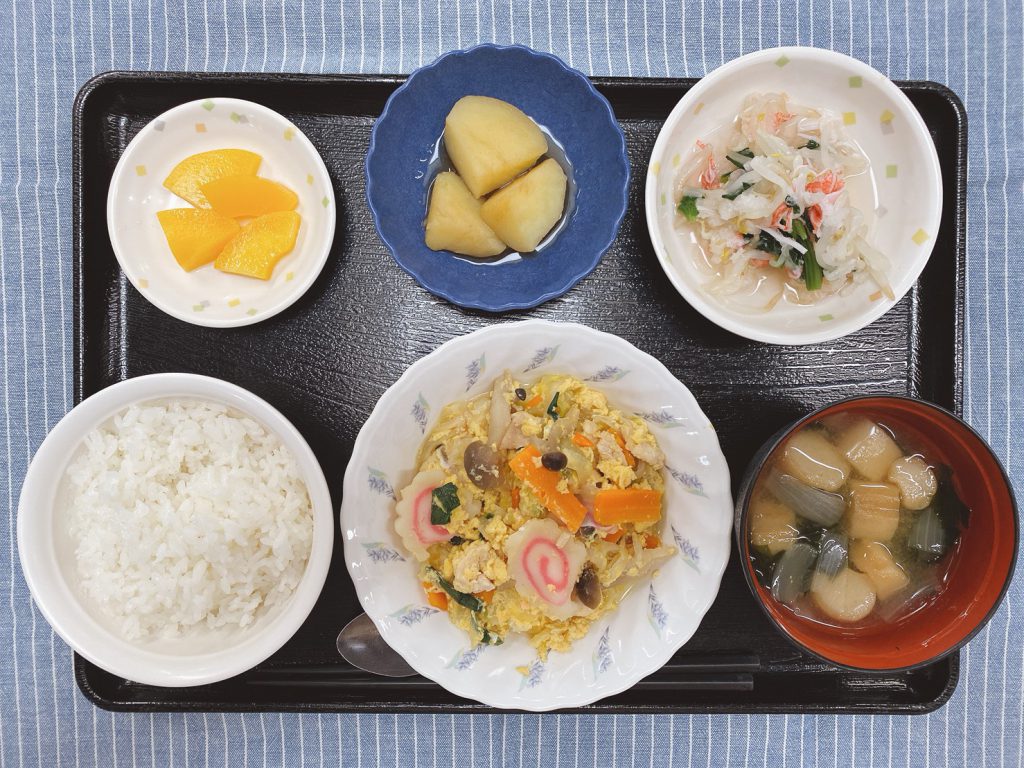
x,y
534,509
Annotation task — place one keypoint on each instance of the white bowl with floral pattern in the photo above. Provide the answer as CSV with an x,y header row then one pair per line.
x,y
206,296
654,620
900,195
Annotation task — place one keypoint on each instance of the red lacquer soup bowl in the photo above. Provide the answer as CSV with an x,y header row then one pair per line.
x,y
979,570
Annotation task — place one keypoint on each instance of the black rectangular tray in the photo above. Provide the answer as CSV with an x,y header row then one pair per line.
x,y
326,361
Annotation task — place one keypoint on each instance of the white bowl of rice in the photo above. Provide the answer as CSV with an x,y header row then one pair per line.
x,y
793,196
175,529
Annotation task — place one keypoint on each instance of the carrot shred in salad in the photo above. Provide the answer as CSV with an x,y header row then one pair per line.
x,y
773,195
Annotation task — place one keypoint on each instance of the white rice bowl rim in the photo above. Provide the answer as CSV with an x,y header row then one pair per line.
x,y
38,512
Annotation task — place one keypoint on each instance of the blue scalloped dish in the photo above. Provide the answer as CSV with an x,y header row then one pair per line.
x,y
559,99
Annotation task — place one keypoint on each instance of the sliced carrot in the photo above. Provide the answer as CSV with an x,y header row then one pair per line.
x,y
615,506
515,498
544,483
630,459
582,441
437,599
614,536
486,596
535,400
651,541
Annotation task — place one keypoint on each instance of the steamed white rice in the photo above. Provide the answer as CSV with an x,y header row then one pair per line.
x,y
185,513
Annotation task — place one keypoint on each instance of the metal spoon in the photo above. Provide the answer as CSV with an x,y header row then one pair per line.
x,y
361,645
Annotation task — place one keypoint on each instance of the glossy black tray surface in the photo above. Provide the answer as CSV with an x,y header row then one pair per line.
x,y
326,361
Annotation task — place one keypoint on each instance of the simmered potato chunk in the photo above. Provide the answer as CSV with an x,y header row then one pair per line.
x,y
490,142
812,459
915,479
772,525
875,561
454,223
523,212
873,511
869,448
847,597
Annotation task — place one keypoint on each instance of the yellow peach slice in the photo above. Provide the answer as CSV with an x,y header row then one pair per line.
x,y
239,196
259,246
186,179
196,236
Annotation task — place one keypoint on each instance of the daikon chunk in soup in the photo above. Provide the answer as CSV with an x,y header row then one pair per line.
x,y
852,523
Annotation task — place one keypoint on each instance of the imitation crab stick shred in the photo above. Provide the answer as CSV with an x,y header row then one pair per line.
x,y
826,182
544,484
710,178
616,506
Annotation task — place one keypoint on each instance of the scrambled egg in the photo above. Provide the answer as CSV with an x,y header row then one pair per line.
x,y
481,560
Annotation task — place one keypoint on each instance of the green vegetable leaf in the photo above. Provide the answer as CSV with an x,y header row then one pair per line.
x,y
443,500
743,188
491,639
768,244
553,407
812,269
745,152
488,637
471,602
811,144
951,509
688,207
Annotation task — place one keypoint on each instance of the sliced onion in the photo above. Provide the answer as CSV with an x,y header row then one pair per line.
x,y
835,550
928,535
910,599
812,504
501,414
791,576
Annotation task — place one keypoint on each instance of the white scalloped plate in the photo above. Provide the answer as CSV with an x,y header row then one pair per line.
x,y
653,621
206,296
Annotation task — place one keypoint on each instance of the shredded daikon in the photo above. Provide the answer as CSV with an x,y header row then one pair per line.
x,y
774,195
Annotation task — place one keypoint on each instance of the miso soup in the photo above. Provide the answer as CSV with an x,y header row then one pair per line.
x,y
852,523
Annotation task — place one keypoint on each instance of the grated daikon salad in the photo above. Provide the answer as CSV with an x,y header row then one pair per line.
x,y
771,200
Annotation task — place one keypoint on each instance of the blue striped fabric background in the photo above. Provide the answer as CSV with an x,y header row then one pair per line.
x,y
48,48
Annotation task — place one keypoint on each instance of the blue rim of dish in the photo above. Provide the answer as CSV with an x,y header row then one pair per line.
x,y
573,279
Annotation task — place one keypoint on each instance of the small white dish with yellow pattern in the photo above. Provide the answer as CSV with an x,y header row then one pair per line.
x,y
899,195
207,296
655,618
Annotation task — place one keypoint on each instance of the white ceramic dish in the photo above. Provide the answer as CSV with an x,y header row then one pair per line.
x,y
206,296
903,200
654,620
199,657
